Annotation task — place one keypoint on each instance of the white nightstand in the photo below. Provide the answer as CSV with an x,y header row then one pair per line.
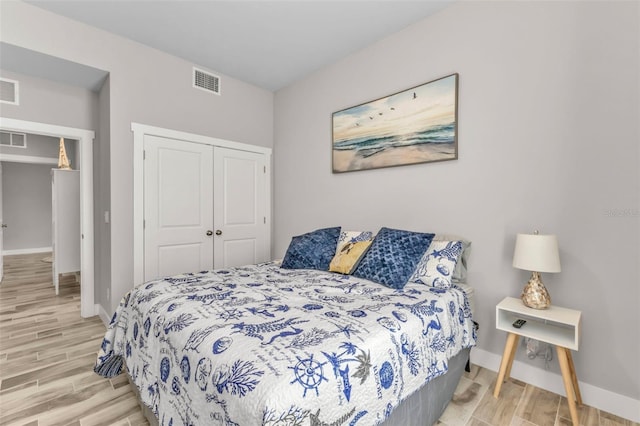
x,y
554,325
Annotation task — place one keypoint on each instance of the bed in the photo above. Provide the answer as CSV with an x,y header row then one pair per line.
x,y
265,345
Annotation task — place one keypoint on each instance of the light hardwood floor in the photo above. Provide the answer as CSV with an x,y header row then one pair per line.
x,y
47,353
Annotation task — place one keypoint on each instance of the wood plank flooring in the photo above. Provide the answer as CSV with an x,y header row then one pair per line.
x,y
47,353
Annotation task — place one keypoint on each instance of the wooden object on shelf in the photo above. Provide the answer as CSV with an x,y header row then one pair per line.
x,y
63,160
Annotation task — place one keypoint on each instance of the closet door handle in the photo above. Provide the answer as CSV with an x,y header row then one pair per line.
x,y
209,233
218,232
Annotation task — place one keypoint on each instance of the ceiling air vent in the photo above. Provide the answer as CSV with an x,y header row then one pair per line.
x,y
8,91
206,81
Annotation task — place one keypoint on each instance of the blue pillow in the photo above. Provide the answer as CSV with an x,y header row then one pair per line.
x,y
313,250
393,256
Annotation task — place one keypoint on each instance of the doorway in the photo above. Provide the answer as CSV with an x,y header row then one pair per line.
x,y
25,197
88,308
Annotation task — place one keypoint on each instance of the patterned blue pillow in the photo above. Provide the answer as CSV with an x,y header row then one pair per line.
x,y
393,256
313,250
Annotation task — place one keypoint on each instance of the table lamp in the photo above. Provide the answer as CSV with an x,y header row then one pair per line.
x,y
536,253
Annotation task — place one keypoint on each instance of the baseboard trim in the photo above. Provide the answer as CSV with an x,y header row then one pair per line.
x,y
26,251
602,399
104,316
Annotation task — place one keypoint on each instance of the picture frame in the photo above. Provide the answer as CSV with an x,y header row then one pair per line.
x,y
416,125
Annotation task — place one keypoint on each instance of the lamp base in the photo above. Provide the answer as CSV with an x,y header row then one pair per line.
x,y
535,294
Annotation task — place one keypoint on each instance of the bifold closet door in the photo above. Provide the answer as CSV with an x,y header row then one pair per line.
x,y
239,208
178,207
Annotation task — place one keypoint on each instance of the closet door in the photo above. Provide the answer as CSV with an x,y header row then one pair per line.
x,y
240,203
178,207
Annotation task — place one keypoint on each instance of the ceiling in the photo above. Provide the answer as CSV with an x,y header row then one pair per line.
x,y
36,64
270,44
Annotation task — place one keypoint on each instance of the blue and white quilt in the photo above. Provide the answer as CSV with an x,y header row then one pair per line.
x,y
261,345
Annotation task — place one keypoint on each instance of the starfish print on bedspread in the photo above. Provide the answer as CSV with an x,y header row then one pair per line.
x,y
346,329
230,314
451,251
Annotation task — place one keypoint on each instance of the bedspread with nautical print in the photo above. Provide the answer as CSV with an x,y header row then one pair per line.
x,y
260,345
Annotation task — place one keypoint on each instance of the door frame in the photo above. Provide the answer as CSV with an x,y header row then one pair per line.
x,y
88,307
142,130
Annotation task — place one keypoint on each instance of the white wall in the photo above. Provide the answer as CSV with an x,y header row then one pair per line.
x,y
26,201
548,140
49,102
101,199
146,86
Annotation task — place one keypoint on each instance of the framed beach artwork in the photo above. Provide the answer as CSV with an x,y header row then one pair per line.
x,y
417,125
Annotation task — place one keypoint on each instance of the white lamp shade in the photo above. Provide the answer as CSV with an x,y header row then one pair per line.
x,y
537,253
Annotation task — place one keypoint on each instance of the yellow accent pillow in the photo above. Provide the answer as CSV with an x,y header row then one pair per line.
x,y
347,259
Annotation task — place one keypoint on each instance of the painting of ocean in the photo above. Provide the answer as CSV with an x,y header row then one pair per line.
x,y
417,125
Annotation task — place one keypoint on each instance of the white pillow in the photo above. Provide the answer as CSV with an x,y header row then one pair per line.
x,y
438,263
460,273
